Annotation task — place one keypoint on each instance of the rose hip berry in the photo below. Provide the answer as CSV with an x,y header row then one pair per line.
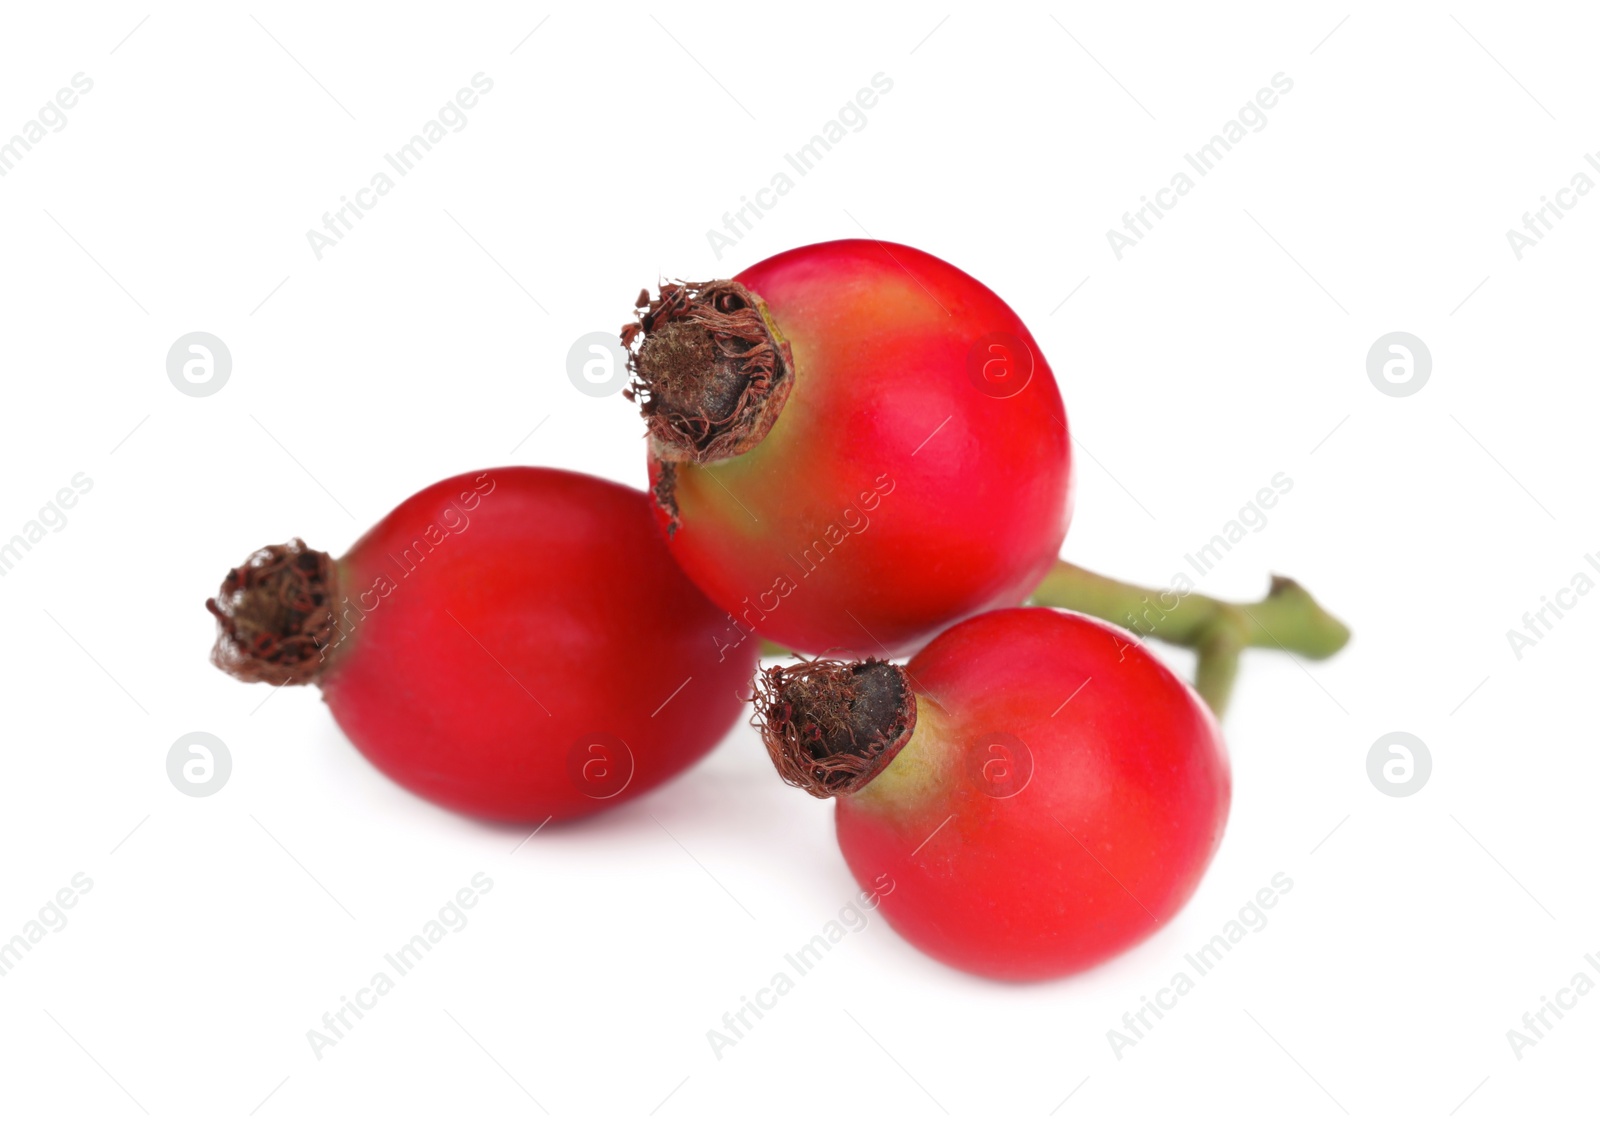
x,y
1043,791
851,445
513,644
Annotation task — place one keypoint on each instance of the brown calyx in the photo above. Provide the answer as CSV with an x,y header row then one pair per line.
x,y
711,371
831,726
275,615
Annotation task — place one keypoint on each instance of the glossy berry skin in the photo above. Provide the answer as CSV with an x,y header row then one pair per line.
x,y
918,473
511,639
1048,868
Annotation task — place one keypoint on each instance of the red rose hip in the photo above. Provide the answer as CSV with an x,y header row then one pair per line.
x,y
852,445
1042,791
514,644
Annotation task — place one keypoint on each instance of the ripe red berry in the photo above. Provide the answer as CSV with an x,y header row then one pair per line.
x,y
1042,790
513,644
852,445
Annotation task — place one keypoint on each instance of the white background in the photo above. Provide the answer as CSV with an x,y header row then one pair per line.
x,y
1228,346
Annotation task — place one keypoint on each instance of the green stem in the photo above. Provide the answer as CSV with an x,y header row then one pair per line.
x,y
1287,619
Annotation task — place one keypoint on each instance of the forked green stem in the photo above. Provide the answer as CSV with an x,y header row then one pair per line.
x,y
1287,619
